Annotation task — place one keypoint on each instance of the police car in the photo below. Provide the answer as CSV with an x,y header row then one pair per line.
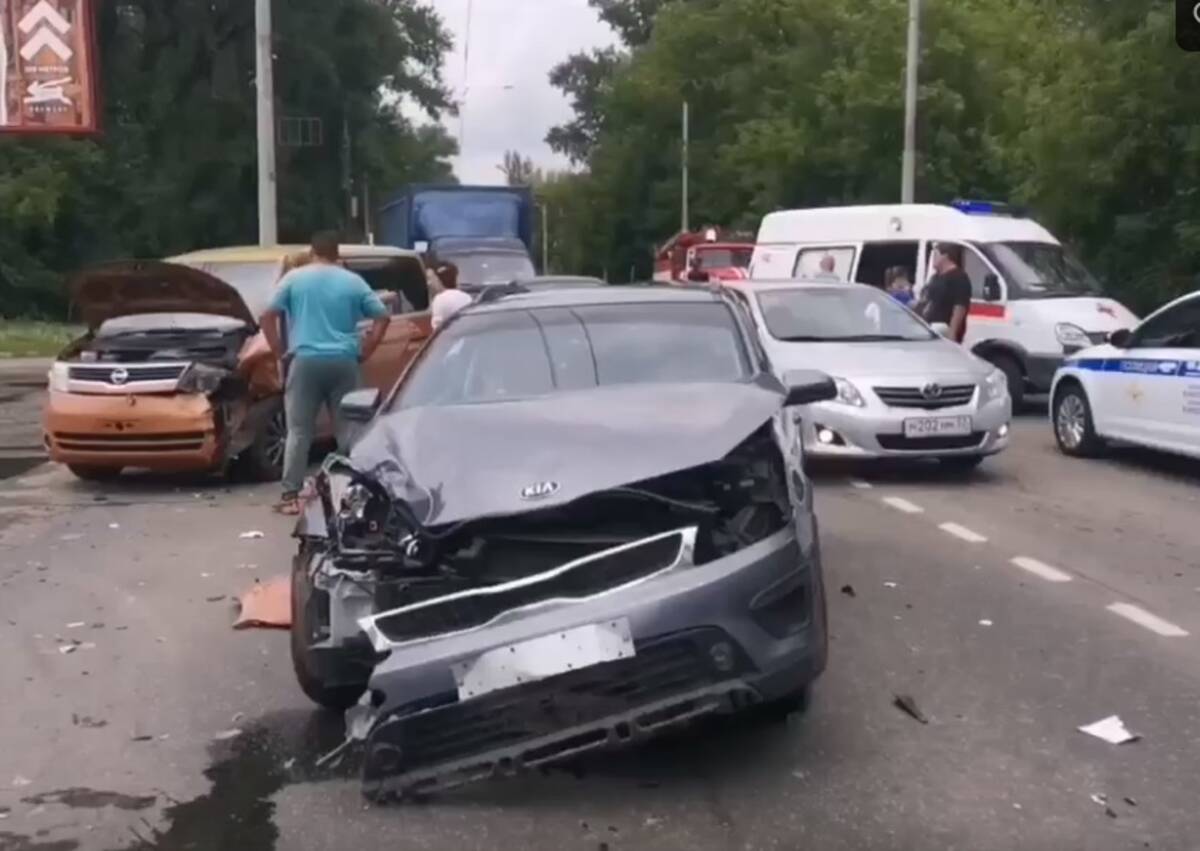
x,y
1142,387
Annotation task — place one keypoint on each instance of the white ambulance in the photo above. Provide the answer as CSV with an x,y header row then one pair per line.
x,y
1033,303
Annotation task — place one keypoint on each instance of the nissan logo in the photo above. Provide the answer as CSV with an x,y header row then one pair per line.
x,y
932,391
118,376
539,490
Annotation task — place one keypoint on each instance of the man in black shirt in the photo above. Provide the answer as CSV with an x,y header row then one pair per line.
x,y
947,296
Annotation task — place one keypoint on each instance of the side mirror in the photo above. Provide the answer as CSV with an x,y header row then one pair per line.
x,y
805,386
1121,338
991,288
941,328
359,406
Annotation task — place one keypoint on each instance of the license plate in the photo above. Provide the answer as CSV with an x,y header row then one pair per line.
x,y
546,656
937,427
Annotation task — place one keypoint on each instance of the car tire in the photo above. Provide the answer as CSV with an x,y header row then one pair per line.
x,y
1074,427
262,460
1015,376
961,463
337,698
94,472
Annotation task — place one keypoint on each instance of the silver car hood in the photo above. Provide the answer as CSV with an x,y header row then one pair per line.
x,y
878,360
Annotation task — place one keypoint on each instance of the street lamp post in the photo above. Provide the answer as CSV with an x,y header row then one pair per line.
x,y
908,179
268,226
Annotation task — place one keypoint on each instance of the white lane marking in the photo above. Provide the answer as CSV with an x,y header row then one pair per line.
x,y
861,485
963,533
1040,569
903,505
1143,618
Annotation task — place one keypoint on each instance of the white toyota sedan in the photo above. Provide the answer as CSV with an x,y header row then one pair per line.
x,y
904,391
1142,387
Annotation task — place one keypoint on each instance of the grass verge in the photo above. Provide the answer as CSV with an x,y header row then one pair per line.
x,y
26,338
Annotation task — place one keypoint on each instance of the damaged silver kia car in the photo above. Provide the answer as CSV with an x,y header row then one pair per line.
x,y
579,518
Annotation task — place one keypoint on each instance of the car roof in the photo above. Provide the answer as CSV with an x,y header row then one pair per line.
x,y
612,294
765,285
559,279
271,253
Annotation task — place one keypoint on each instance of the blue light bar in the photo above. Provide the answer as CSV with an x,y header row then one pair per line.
x,y
984,208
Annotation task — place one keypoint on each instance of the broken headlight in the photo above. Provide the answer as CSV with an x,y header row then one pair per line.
x,y
362,516
201,379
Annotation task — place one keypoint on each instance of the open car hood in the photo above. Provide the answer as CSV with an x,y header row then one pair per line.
x,y
473,461
132,287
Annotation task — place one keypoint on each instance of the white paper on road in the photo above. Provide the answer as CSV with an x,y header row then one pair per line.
x,y
252,535
1111,729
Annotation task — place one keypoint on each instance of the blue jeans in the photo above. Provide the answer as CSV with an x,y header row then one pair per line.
x,y
311,384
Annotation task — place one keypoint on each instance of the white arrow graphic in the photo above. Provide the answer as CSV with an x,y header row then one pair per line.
x,y
46,38
44,11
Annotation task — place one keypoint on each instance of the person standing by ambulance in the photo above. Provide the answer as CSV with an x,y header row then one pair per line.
x,y
947,296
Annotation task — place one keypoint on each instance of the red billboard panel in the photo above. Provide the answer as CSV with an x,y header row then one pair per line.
x,y
47,67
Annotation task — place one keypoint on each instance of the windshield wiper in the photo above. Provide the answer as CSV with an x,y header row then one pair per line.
x,y
804,339
873,338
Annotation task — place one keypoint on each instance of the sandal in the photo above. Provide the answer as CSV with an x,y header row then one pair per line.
x,y
289,506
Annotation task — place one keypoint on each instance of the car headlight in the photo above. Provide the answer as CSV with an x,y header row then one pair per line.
x,y
57,376
201,379
995,386
848,394
1071,335
362,516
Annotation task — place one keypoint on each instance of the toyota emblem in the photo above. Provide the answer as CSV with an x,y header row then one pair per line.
x,y
119,375
932,391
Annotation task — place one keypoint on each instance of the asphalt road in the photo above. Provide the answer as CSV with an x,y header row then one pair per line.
x,y
117,743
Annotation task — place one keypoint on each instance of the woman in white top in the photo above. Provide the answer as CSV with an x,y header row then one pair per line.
x,y
451,299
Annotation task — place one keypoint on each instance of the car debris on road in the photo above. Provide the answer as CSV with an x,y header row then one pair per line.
x,y
1111,729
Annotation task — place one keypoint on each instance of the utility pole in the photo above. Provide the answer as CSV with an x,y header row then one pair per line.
x,y
545,239
684,205
268,225
908,180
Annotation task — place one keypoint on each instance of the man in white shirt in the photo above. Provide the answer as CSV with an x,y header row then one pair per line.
x,y
451,299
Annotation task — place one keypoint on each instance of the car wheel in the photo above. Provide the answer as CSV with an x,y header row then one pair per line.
x,y
1015,376
961,463
262,460
94,473
1074,428
338,698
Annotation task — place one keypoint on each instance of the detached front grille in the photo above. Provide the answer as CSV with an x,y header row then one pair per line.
x,y
916,444
575,580
124,375
661,669
187,441
929,397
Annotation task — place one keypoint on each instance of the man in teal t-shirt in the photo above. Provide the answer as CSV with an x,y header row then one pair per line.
x,y
322,304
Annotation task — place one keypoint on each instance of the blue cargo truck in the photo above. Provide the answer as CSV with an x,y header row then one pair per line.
x,y
487,231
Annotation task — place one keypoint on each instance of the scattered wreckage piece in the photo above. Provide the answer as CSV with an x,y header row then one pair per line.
x,y
267,605
501,586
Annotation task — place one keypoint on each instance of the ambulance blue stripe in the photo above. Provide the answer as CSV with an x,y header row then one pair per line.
x,y
1142,366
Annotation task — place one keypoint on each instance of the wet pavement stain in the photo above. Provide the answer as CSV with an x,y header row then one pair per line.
x,y
16,842
238,811
92,799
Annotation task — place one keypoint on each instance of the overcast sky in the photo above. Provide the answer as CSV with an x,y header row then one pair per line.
x,y
514,44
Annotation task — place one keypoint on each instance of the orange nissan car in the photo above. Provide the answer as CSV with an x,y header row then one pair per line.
x,y
174,374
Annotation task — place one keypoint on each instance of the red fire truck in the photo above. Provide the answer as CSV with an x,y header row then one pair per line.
x,y
723,256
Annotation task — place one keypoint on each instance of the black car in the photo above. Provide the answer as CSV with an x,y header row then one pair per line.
x,y
580,518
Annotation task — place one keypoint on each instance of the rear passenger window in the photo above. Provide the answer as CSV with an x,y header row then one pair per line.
x,y
808,262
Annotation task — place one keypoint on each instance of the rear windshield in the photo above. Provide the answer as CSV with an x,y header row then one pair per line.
x,y
518,354
845,314
724,258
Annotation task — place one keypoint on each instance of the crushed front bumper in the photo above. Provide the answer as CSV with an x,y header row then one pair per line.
x,y
175,432
746,628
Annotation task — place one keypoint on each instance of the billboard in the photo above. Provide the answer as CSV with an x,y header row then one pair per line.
x,y
47,67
